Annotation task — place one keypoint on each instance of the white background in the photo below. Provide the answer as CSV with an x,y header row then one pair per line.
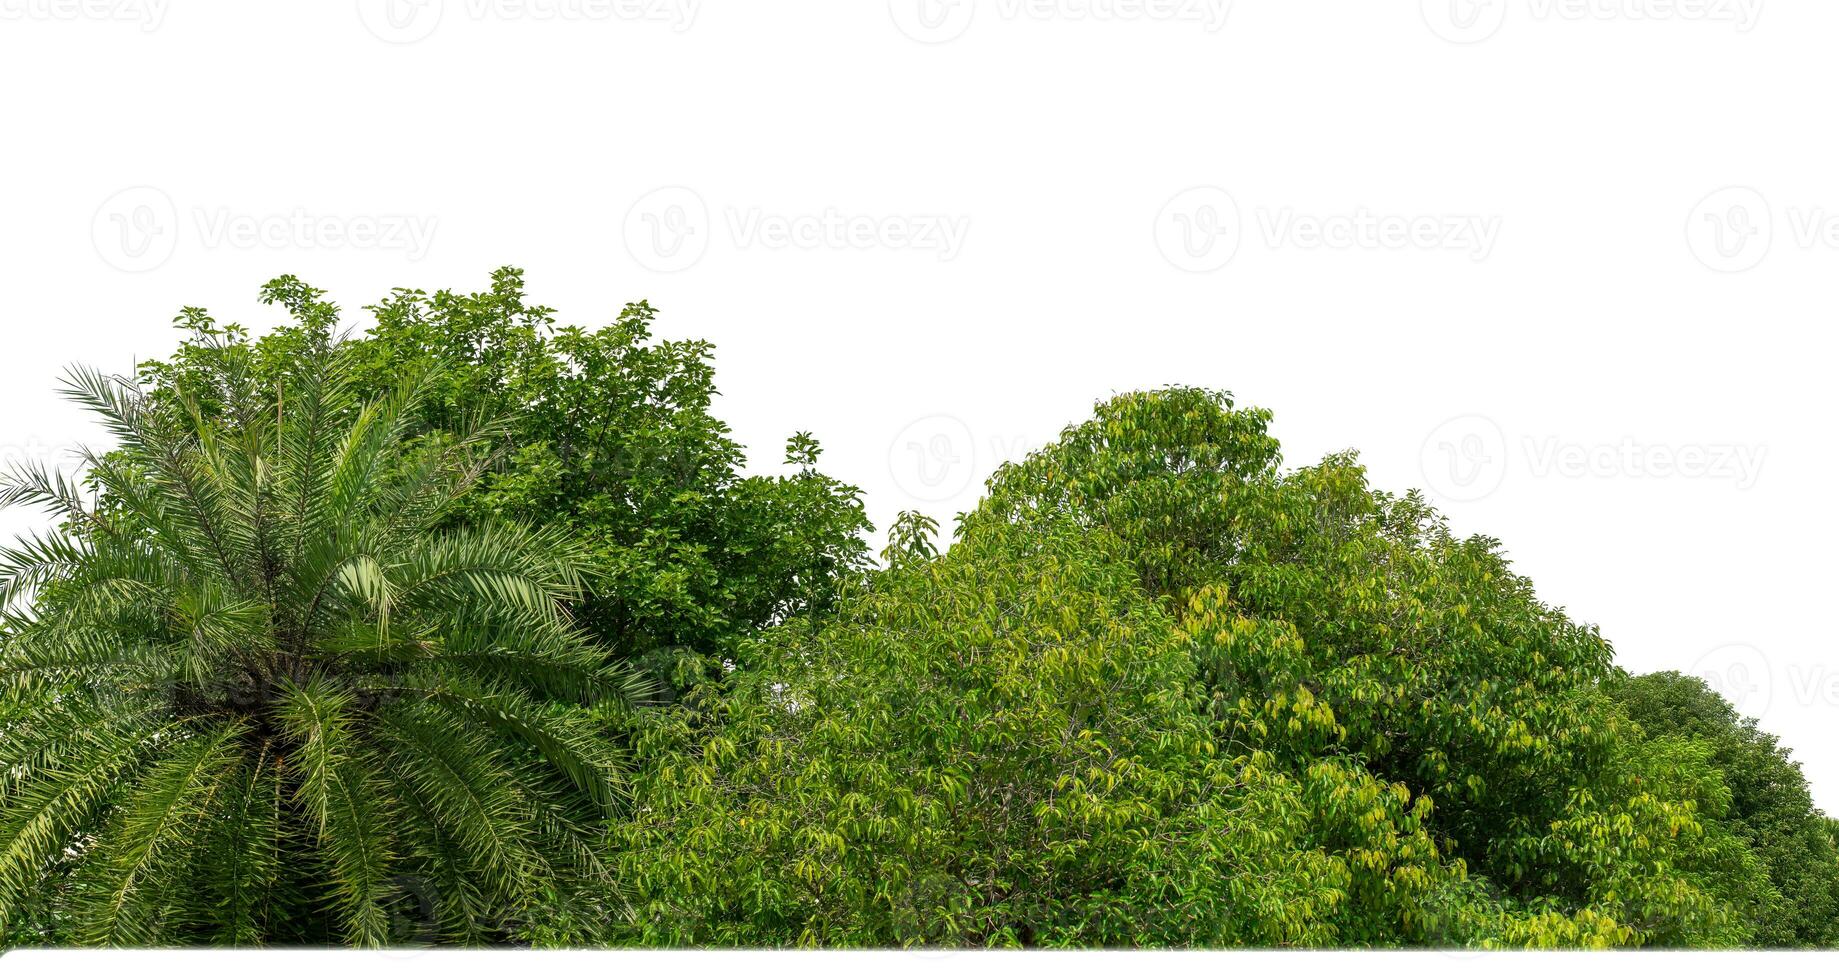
x,y
1567,266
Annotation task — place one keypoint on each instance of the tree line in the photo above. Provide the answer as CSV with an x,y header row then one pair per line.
x,y
468,629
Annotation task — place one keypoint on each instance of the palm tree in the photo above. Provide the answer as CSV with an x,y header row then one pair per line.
x,y
259,689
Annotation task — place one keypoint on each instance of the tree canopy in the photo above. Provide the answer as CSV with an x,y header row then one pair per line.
x,y
1770,806
261,687
604,434
1055,732
470,629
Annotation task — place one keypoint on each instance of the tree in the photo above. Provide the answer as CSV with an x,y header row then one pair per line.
x,y
1424,657
1770,806
357,639
265,690
1000,747
1013,743
611,435
607,434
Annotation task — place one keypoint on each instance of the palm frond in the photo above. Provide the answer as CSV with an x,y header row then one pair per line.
x,y
31,483
339,792
38,820
566,741
465,787
266,688
246,851
151,836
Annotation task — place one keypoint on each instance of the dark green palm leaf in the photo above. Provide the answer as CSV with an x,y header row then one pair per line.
x,y
265,688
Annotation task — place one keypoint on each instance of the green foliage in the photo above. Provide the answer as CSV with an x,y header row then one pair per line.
x,y
605,435
1331,619
470,630
1769,804
265,691
910,540
1001,747
609,434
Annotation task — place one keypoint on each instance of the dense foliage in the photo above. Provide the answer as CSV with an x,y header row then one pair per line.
x,y
604,435
1001,747
467,629
262,690
1770,807
1441,669
1427,751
